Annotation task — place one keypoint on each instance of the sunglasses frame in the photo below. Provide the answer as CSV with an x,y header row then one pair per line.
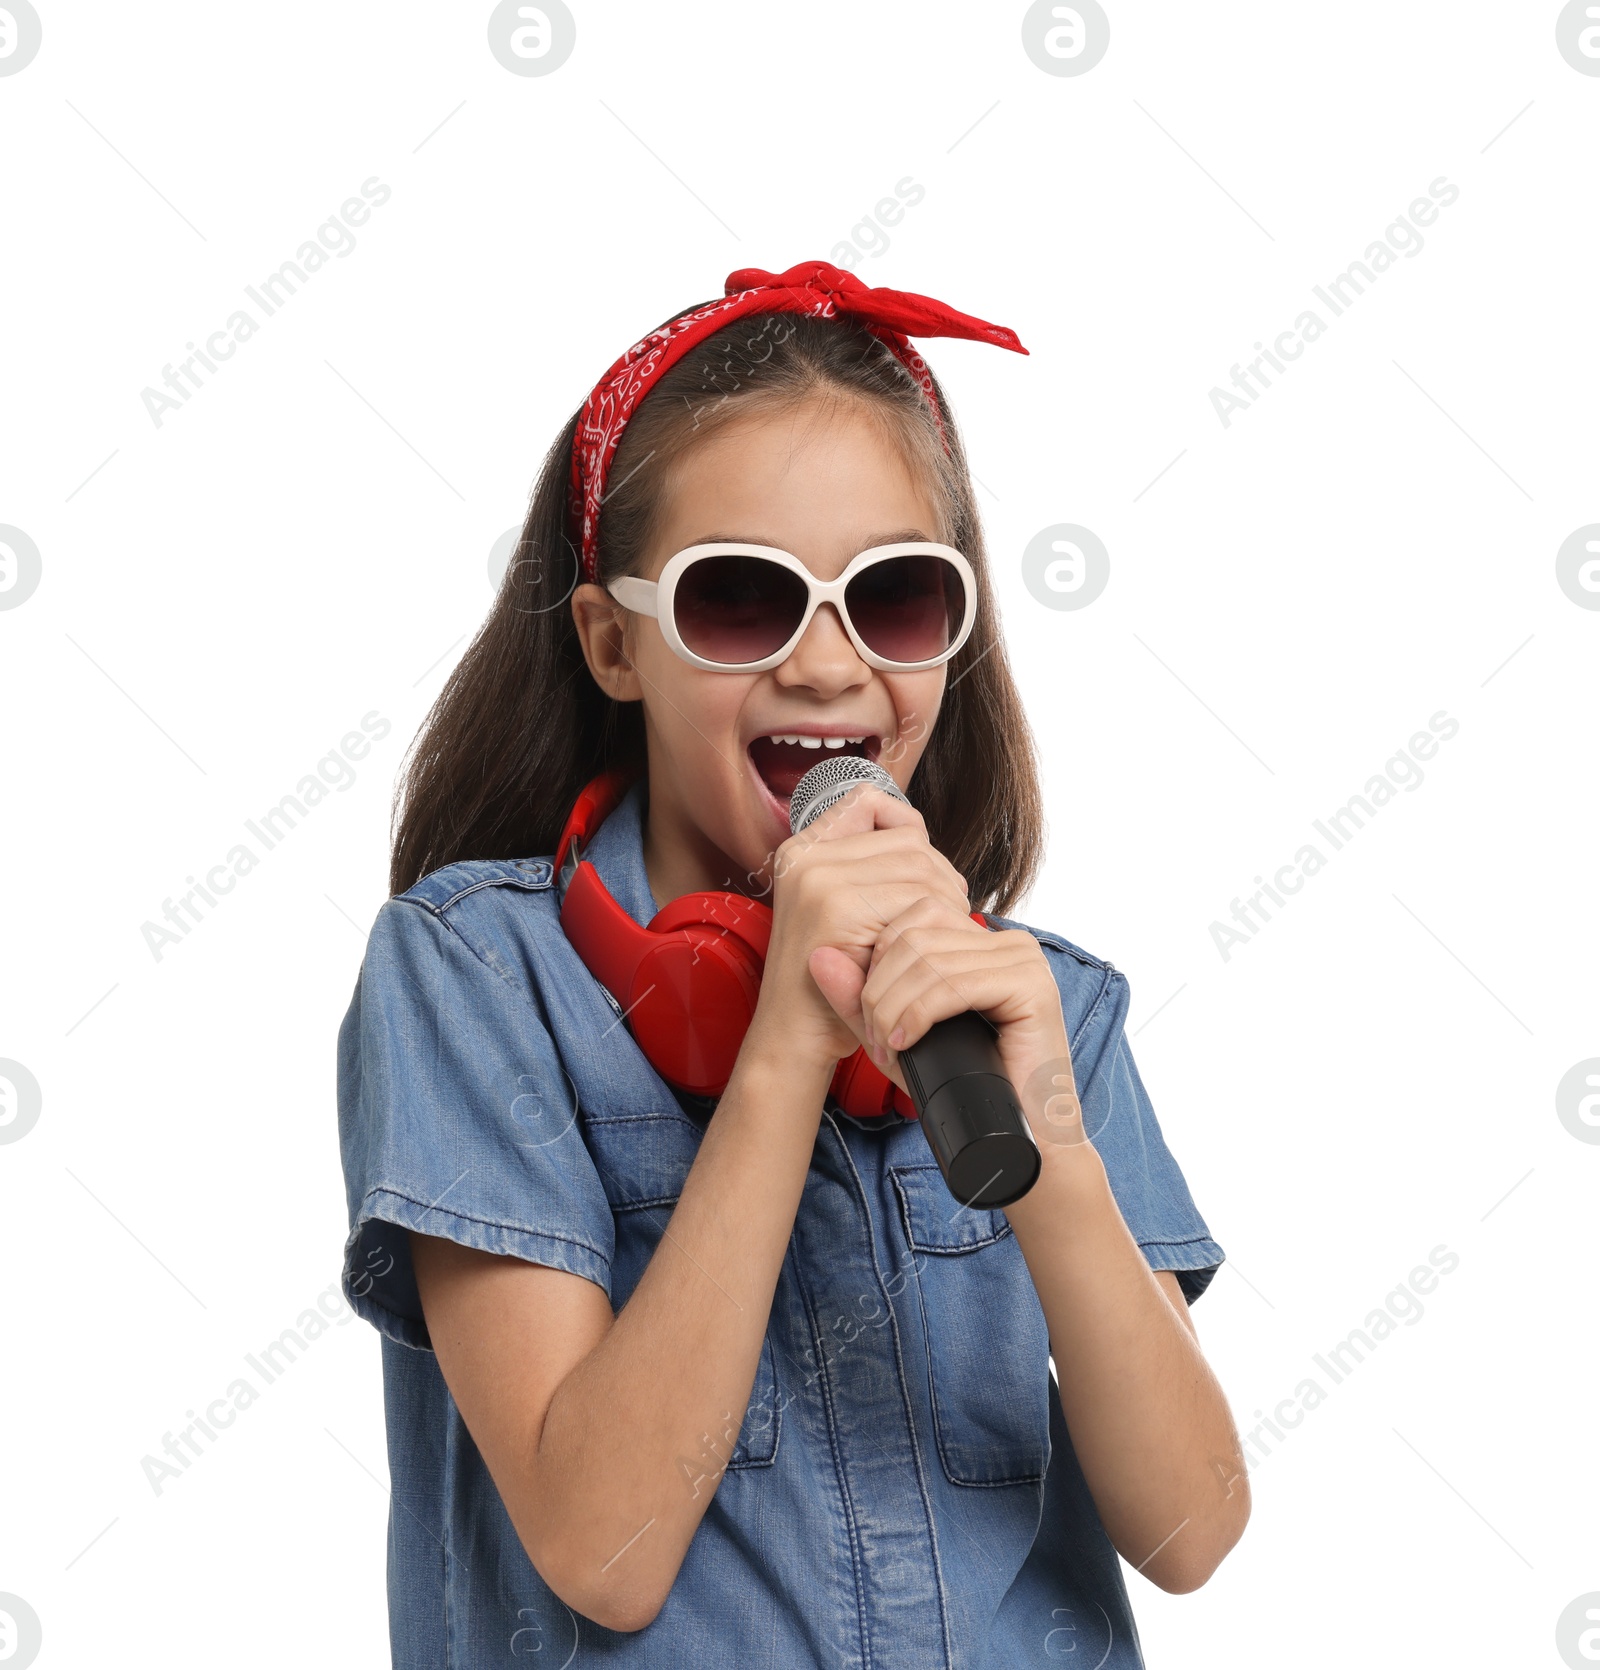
x,y
655,599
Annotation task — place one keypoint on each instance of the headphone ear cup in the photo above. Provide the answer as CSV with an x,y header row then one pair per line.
x,y
731,914
694,995
863,1090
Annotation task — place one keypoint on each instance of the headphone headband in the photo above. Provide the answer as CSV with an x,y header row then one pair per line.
x,y
593,806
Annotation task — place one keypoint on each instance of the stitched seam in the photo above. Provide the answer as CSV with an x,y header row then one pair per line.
x,y
608,1119
1112,976
451,1655
499,973
905,1403
488,1223
933,1397
487,881
1056,943
825,1390
944,1247
753,1459
639,1203
939,1425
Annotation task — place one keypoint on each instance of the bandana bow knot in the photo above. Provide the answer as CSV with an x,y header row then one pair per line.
x,y
814,288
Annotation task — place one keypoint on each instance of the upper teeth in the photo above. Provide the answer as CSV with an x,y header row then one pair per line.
x,y
817,741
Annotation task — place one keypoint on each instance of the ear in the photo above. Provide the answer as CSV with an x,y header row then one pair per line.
x,y
603,632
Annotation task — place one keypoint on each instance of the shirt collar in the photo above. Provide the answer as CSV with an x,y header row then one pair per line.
x,y
617,852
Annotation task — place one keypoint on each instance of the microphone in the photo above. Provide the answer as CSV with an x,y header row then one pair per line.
x,y
965,1103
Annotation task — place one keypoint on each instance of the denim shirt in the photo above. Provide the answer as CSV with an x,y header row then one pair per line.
x,y
902,1490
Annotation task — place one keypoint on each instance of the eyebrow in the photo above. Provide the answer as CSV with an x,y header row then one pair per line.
x,y
900,536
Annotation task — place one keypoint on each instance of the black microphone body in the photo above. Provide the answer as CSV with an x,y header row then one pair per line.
x,y
966,1105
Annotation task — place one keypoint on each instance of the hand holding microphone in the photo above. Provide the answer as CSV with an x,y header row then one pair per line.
x,y
955,1071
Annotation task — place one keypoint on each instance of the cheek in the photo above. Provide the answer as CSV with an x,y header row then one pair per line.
x,y
917,698
694,713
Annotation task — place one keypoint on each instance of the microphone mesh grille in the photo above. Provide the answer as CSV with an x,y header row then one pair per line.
x,y
830,780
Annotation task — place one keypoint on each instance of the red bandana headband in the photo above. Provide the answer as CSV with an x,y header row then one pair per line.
x,y
813,288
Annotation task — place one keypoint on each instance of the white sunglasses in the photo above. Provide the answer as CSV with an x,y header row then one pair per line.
x,y
730,607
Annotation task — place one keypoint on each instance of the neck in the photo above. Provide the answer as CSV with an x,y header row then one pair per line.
x,y
678,858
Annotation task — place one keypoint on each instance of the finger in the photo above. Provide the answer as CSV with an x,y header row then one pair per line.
x,y
907,963
884,883
993,980
947,913
933,929
907,847
843,843
861,916
918,999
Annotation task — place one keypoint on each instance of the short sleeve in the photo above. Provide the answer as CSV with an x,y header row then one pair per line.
x,y
456,1119
1145,1179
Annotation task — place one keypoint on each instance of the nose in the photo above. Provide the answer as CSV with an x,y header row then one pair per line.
x,y
824,660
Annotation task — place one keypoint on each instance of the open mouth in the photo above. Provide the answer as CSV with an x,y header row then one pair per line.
x,y
784,757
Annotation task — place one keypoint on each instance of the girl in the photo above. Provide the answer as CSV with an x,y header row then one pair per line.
x,y
689,1365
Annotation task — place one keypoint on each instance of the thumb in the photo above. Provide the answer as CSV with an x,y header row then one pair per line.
x,y
840,979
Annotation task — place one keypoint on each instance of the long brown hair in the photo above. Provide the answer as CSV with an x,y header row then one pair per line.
x,y
520,726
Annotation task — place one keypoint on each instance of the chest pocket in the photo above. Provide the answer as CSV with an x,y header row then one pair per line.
x,y
988,1345
643,1160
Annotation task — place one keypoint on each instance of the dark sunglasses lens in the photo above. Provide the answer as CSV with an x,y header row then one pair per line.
x,y
737,609
908,608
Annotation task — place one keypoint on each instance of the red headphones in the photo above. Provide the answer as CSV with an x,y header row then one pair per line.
x,y
688,983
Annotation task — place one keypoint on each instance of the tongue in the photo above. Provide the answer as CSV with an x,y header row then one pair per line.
x,y
782,764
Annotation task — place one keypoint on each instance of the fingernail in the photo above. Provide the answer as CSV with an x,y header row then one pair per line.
x,y
897,1038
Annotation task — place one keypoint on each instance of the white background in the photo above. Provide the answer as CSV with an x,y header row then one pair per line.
x,y
1371,1076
